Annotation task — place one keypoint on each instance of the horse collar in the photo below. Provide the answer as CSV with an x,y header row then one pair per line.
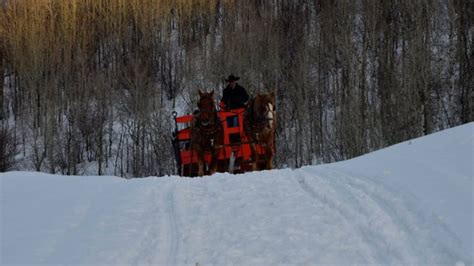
x,y
210,129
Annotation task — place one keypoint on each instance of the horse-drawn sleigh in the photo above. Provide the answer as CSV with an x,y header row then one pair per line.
x,y
234,141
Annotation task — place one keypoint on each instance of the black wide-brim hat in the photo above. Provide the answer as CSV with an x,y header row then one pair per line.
x,y
232,78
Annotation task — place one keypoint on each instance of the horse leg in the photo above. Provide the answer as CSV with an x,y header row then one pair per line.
x,y
213,167
269,164
269,158
200,163
254,157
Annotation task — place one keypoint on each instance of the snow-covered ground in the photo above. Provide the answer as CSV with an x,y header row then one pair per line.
x,y
409,204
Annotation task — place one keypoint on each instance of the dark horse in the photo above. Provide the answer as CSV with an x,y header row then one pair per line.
x,y
206,132
260,125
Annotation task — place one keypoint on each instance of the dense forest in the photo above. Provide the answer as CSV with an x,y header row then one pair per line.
x,y
91,84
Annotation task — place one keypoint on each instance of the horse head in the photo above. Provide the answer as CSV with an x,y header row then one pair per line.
x,y
263,109
207,114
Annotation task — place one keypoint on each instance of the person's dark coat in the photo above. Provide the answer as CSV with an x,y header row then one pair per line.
x,y
235,98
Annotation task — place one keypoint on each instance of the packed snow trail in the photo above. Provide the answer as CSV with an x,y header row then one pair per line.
x,y
375,209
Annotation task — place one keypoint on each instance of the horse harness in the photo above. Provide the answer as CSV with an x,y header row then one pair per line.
x,y
210,130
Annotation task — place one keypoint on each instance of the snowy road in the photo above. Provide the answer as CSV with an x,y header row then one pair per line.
x,y
332,214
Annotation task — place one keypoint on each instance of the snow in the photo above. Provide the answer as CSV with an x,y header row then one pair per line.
x,y
411,203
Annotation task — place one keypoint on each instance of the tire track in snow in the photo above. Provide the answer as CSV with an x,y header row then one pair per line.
x,y
159,244
172,227
197,222
396,230
150,220
415,229
374,218
330,197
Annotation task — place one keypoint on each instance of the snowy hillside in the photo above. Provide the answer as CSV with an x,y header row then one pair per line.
x,y
411,203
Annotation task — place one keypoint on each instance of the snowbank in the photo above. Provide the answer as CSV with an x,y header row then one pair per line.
x,y
411,203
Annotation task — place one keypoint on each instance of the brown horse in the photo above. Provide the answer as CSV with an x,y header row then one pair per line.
x,y
206,132
260,125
